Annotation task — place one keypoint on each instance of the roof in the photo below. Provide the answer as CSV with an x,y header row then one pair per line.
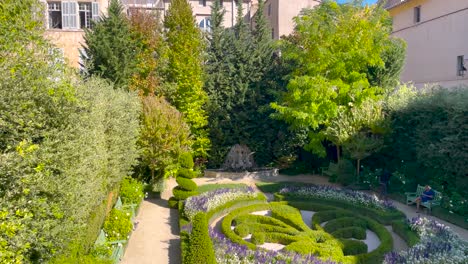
x,y
389,4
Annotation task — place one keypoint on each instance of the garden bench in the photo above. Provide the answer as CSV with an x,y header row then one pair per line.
x,y
117,246
411,197
130,208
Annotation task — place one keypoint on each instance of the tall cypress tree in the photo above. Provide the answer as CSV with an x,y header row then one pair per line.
x,y
109,49
238,61
185,47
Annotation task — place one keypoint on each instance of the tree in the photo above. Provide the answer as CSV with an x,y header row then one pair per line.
x,y
164,136
185,47
239,68
146,33
109,50
332,48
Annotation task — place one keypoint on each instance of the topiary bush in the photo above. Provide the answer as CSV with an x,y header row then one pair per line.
x,y
186,187
404,230
186,184
131,191
350,232
173,203
118,225
200,248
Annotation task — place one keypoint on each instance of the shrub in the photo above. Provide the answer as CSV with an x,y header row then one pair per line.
x,y
186,173
131,191
258,238
342,172
353,247
173,203
350,232
288,215
200,247
339,223
404,230
242,230
182,194
186,160
186,184
118,225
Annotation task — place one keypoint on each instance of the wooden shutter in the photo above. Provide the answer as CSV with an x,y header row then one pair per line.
x,y
65,15
73,14
95,11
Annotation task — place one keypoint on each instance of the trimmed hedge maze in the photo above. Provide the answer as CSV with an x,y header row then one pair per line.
x,y
297,228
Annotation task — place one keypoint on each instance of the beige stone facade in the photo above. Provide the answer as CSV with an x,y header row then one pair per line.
x,y
65,22
436,33
280,14
65,19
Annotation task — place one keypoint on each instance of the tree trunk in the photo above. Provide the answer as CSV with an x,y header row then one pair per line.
x,y
357,169
337,153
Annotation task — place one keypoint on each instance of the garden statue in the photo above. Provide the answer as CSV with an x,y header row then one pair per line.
x,y
239,158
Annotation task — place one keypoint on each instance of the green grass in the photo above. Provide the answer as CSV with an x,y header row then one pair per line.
x,y
211,187
272,187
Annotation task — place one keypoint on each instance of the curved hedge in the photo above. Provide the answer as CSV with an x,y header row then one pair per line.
x,y
385,218
350,232
200,247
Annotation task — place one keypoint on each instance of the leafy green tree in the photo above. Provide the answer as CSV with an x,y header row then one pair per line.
x,y
164,136
332,48
185,48
109,50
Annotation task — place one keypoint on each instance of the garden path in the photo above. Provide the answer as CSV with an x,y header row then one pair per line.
x,y
156,239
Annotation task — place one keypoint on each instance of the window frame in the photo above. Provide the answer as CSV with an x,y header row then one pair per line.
x,y
57,7
417,14
206,24
461,68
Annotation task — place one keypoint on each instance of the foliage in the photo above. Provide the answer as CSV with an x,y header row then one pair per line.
x,y
341,172
258,238
427,144
164,136
208,201
118,225
65,143
403,229
353,247
200,248
239,70
332,47
146,28
184,69
186,187
131,191
350,232
215,186
438,244
109,50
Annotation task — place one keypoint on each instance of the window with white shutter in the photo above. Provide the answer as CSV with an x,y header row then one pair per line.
x,y
73,14
95,9
65,15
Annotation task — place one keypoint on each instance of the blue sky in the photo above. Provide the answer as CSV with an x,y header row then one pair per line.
x,y
365,1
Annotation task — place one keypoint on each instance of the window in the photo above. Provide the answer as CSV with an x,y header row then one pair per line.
x,y
461,69
72,15
417,14
273,33
205,24
269,10
85,15
55,14
202,2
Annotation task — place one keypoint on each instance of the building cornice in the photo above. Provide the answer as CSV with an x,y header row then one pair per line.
x,y
390,4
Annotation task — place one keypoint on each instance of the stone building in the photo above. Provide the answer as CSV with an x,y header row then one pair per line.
x,y
436,33
65,20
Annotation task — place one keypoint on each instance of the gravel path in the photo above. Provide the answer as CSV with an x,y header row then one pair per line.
x,y
156,238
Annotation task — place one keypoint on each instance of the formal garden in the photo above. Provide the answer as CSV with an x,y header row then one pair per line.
x,y
157,101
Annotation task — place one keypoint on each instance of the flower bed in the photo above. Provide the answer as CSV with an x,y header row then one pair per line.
x,y
210,200
438,244
228,252
332,193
